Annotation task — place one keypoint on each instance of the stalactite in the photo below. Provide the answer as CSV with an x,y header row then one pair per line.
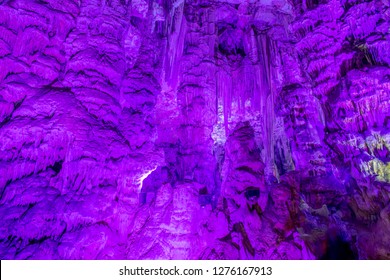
x,y
176,37
224,90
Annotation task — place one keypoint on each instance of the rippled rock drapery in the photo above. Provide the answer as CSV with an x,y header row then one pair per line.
x,y
195,129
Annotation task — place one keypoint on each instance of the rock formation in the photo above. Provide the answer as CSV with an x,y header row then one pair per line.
x,y
195,129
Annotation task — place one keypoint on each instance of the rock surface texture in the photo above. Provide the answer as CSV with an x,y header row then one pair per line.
x,y
195,129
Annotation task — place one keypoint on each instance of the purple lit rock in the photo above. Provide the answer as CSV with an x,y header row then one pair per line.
x,y
172,129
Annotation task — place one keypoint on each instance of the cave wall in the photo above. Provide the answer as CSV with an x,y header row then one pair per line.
x,y
194,129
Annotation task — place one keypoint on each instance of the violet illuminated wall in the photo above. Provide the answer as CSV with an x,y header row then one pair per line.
x,y
194,129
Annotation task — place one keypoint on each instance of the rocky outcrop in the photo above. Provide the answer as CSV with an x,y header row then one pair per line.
x,y
207,129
